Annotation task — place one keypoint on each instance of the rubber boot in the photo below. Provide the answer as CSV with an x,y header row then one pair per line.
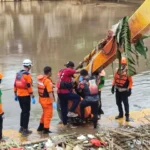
x,y
119,116
26,132
101,112
95,124
83,121
127,119
98,117
41,127
46,131
21,130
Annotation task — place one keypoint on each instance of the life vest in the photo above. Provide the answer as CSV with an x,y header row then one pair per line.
x,y
20,82
41,87
121,80
1,108
89,87
93,88
59,75
61,84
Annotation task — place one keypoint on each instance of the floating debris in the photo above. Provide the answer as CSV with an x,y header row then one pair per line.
x,y
82,137
123,138
90,136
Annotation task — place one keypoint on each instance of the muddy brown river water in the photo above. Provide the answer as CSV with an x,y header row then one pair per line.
x,y
51,33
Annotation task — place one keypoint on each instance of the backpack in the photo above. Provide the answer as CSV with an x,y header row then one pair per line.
x,y
20,82
89,86
62,84
93,88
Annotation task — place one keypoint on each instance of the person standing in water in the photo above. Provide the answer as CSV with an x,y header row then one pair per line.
x,y
65,91
123,85
46,99
23,92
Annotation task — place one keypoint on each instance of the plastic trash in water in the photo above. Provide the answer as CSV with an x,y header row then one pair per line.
x,y
77,147
49,144
27,148
95,142
59,148
82,137
35,145
85,142
90,136
101,148
16,149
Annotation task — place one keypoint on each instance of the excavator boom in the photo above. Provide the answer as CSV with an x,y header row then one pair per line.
x,y
139,24
105,54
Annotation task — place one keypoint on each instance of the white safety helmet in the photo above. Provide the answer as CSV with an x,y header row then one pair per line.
x,y
27,62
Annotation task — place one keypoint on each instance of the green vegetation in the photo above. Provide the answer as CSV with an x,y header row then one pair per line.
x,y
131,50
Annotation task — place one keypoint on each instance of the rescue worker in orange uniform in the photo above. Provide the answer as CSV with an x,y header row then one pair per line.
x,y
1,110
46,99
23,93
123,85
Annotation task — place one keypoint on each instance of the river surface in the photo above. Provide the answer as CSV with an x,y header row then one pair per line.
x,y
51,33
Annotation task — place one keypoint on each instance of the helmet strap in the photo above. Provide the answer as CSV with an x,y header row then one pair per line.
x,y
27,68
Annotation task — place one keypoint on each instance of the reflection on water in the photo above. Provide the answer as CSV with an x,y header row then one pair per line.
x,y
51,33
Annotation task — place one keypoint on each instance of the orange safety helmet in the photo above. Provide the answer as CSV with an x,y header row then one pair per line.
x,y
124,61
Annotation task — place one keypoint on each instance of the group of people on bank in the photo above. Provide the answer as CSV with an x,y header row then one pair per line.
x,y
86,92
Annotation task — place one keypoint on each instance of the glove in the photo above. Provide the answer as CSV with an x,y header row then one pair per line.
x,y
129,92
16,98
113,89
80,78
33,100
3,116
54,105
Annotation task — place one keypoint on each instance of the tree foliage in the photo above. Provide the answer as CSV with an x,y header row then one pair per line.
x,y
131,50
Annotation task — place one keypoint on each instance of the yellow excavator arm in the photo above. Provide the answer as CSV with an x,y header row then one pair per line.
x,y
139,24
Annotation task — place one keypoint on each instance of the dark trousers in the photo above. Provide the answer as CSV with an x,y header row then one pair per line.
x,y
1,126
64,104
100,111
25,104
94,108
122,97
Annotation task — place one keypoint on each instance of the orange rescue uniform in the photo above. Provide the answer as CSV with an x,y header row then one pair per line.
x,y
25,91
45,86
122,81
123,84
